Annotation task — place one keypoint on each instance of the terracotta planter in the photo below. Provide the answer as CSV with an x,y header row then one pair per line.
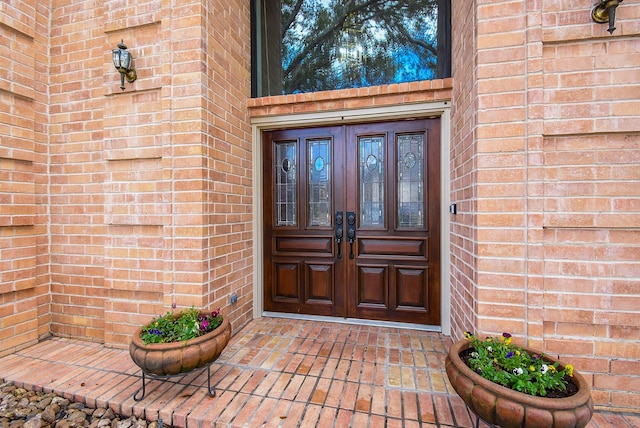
x,y
179,357
507,408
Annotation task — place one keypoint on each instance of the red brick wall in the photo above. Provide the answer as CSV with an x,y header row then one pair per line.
x,y
507,140
549,209
151,200
24,275
462,233
591,188
359,98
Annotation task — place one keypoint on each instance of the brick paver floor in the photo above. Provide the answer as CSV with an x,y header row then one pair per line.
x,y
274,372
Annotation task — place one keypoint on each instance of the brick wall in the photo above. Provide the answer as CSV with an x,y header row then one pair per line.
x,y
507,145
591,187
462,233
24,275
553,220
148,197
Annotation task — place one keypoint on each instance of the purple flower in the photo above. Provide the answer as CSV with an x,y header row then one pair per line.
x,y
204,325
174,305
155,331
509,355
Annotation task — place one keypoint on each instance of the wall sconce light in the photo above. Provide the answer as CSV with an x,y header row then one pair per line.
x,y
122,62
604,12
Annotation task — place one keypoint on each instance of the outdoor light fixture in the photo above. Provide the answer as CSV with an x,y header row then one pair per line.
x,y
604,12
122,62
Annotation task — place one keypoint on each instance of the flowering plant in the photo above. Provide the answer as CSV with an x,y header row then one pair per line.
x,y
501,362
172,327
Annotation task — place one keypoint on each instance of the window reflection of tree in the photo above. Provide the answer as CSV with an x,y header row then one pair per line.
x,y
334,44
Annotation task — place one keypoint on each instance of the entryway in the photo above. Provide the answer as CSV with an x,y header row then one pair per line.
x,y
352,221
275,373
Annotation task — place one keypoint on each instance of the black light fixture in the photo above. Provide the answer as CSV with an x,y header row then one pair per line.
x,y
122,62
604,12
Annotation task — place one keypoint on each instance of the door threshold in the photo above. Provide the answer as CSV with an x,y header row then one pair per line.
x,y
355,321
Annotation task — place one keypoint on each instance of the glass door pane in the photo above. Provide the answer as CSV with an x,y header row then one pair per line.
x,y
410,158
286,184
371,181
319,184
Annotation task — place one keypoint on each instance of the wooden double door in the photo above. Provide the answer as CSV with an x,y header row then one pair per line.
x,y
351,221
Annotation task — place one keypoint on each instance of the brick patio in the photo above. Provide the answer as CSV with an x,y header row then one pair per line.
x,y
274,372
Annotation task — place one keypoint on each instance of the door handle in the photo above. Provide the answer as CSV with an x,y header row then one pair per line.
x,y
351,231
338,233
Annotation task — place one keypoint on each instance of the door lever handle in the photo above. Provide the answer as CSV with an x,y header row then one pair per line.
x,y
339,232
351,231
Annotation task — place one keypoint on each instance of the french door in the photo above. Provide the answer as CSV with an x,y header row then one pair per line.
x,y
351,221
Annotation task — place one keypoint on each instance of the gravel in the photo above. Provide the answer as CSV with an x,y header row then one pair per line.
x,y
21,408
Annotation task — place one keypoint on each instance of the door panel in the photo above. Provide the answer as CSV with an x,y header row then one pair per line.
x,y
373,281
410,287
410,247
286,277
320,283
301,175
351,221
291,245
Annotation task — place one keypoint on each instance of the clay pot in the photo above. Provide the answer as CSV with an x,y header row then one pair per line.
x,y
179,357
507,408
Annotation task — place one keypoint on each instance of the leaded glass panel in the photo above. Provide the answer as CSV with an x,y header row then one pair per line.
x,y
286,184
410,170
319,183
372,183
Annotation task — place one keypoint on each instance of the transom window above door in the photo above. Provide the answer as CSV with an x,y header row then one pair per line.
x,y
316,45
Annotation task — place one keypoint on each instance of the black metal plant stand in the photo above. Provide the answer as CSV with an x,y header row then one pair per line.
x,y
211,390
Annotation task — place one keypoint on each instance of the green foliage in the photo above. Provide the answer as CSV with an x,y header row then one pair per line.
x,y
185,325
501,362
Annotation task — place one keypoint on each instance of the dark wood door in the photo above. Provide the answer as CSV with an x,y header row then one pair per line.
x,y
351,216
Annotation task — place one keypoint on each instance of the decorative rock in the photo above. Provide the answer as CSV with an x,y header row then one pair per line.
x,y
62,402
42,404
104,422
76,417
125,424
34,423
20,408
22,412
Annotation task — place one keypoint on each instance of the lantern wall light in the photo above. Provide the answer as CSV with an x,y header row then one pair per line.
x,y
605,12
122,61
